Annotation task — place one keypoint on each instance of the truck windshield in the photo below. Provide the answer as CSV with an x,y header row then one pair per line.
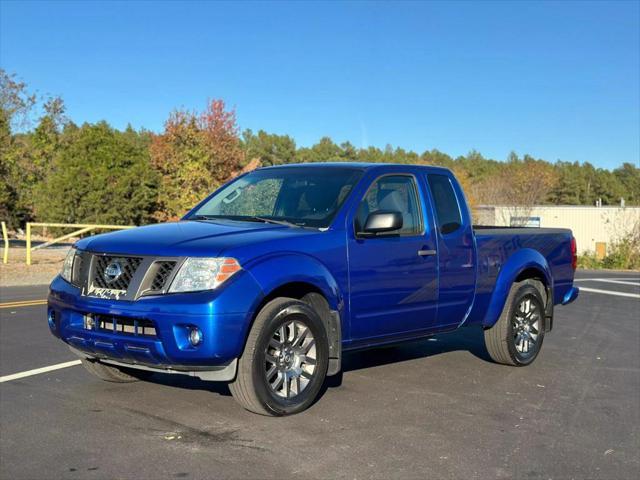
x,y
297,196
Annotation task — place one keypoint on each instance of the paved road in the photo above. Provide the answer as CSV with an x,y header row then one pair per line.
x,y
430,409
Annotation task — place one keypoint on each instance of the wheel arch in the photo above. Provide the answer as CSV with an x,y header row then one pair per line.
x,y
303,278
295,272
524,264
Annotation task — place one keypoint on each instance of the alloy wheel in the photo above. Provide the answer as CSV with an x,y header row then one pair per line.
x,y
527,321
290,359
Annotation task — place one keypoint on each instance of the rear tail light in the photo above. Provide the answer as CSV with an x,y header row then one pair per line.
x,y
574,253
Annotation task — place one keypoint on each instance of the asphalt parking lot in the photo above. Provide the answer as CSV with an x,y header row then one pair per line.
x,y
436,408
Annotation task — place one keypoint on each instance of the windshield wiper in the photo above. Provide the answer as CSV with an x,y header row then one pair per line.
x,y
243,218
273,220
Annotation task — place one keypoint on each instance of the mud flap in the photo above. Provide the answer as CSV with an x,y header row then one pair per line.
x,y
335,343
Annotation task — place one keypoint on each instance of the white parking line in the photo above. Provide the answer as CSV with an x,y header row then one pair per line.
x,y
28,373
633,282
609,292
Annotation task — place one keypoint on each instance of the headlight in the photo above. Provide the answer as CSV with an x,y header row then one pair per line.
x,y
67,266
197,274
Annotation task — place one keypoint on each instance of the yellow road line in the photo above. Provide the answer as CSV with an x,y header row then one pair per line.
x,y
23,303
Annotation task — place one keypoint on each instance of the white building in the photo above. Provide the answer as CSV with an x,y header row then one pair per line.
x,y
590,225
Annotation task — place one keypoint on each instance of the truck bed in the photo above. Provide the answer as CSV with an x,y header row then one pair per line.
x,y
496,245
502,230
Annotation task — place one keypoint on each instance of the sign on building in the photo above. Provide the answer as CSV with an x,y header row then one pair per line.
x,y
525,222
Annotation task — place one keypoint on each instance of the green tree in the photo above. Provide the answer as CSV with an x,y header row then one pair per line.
x,y
608,188
16,105
324,151
629,176
371,155
570,187
100,175
268,148
436,157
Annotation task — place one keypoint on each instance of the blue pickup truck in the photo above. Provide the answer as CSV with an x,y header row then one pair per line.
x,y
268,281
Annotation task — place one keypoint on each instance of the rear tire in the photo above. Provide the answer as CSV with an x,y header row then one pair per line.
x,y
516,338
109,373
285,360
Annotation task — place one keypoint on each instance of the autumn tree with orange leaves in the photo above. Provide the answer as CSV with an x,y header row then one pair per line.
x,y
194,155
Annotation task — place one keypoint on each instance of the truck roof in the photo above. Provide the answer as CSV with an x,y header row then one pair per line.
x,y
355,165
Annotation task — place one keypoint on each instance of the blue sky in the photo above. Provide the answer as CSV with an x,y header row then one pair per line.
x,y
555,80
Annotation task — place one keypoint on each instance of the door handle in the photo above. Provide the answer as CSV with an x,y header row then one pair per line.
x,y
426,253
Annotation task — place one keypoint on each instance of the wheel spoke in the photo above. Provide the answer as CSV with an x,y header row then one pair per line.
x,y
287,386
270,358
308,346
306,375
298,340
275,343
309,361
278,382
271,371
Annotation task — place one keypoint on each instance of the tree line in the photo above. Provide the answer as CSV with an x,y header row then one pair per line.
x,y
53,170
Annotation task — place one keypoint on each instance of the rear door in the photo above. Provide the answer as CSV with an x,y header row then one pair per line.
x,y
456,249
393,277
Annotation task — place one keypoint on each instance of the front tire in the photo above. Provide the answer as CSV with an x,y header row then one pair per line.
x,y
285,360
516,338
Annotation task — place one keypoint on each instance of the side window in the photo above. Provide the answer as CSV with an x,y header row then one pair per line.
x,y
446,203
393,193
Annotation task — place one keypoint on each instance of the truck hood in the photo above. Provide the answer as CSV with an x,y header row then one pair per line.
x,y
186,238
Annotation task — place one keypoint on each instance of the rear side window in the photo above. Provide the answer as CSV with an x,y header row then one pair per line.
x,y
446,203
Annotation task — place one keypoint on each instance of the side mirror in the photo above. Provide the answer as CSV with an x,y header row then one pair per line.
x,y
382,221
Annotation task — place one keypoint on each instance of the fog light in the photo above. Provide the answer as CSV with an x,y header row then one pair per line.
x,y
51,319
195,336
89,323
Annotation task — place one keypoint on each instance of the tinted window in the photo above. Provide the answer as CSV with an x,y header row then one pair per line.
x,y
392,193
446,203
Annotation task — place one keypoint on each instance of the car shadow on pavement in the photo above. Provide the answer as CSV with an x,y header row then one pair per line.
x,y
469,339
190,383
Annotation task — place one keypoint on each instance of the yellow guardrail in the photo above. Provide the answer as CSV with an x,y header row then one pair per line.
x,y
5,240
80,229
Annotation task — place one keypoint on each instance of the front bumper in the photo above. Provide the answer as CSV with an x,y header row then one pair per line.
x,y
216,315
217,373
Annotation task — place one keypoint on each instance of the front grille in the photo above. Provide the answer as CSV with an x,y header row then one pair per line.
x,y
127,267
163,271
123,325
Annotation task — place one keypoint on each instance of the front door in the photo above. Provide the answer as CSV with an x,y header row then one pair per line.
x,y
393,276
